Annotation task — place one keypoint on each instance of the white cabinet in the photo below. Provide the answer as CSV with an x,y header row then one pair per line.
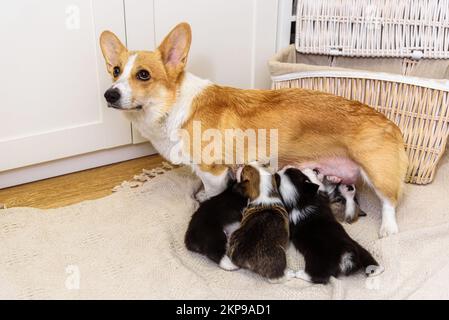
x,y
53,80
54,76
232,40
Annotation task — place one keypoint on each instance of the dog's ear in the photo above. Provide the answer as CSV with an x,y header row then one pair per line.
x,y
175,48
241,188
277,179
310,187
112,48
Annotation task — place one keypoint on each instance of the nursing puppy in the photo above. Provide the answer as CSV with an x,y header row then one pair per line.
x,y
342,197
327,249
262,239
213,222
340,137
344,204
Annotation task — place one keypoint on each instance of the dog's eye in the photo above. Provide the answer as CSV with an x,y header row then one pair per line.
x,y
116,72
143,75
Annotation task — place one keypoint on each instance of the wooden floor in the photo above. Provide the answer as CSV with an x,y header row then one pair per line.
x,y
75,187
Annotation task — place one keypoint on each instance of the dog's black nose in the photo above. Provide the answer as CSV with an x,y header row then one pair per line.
x,y
112,95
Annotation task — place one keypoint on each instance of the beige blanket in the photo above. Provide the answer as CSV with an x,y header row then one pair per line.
x,y
130,245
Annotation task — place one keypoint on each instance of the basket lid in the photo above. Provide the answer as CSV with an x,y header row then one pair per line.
x,y
373,28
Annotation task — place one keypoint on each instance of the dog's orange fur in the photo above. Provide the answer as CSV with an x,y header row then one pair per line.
x,y
311,124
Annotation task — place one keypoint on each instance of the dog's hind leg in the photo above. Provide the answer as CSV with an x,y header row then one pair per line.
x,y
383,166
387,182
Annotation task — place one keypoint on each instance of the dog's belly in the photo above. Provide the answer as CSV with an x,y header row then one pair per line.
x,y
341,167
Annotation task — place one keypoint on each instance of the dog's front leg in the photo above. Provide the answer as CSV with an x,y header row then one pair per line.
x,y
215,180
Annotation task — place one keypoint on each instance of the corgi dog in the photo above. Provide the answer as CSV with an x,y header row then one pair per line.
x,y
327,249
213,223
340,137
261,242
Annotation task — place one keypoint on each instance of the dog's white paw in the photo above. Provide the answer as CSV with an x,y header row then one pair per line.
x,y
201,196
333,179
374,271
290,274
388,228
347,190
302,274
227,264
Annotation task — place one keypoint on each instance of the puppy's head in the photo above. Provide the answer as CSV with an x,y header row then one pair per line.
x,y
255,182
295,185
145,78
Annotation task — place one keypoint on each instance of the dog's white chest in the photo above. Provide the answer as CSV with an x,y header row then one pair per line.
x,y
163,130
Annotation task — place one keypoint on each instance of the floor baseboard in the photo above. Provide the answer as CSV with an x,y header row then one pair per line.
x,y
73,164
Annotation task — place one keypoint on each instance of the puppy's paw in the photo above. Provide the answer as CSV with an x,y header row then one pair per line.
x,y
278,280
201,196
373,271
302,274
290,274
388,228
319,175
333,179
227,264
348,190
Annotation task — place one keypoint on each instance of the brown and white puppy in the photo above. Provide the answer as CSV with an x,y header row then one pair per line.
x,y
262,239
341,137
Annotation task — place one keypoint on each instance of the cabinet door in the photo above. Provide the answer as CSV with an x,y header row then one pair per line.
x,y
232,40
53,79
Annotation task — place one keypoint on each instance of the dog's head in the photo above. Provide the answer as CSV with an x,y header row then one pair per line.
x,y
255,182
145,78
295,185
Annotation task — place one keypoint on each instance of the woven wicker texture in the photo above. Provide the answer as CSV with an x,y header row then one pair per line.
x,y
375,28
419,106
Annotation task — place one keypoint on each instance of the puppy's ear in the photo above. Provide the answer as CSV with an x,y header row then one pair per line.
x,y
112,48
311,188
277,179
175,48
241,188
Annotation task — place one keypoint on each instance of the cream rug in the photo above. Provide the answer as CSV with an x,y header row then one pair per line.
x,y
130,245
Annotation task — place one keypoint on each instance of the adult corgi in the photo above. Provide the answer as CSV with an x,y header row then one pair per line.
x,y
339,137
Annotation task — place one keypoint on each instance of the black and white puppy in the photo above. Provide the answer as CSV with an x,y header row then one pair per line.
x,y
213,222
327,249
262,239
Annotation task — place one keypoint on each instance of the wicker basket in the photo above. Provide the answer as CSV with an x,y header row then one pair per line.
x,y
419,106
374,28
353,63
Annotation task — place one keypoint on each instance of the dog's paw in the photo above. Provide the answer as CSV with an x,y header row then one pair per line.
x,y
319,175
374,271
388,228
302,274
290,274
278,280
227,264
347,190
333,179
201,196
